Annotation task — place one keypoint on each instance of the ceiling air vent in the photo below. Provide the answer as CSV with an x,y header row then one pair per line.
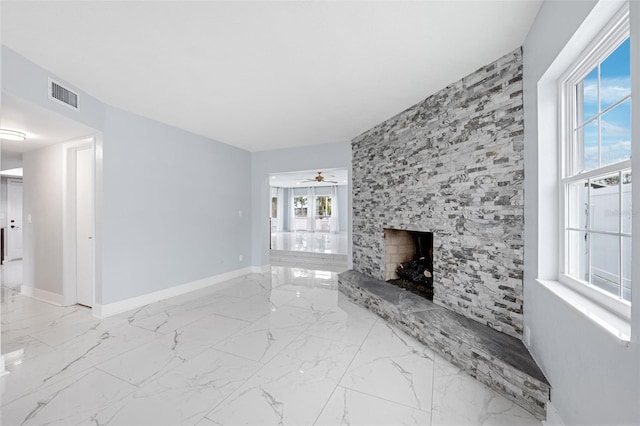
x,y
63,95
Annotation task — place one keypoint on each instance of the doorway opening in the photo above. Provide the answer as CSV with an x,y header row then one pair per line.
x,y
309,211
39,196
79,217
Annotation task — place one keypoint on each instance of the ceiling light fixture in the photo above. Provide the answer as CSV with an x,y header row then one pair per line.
x,y
12,135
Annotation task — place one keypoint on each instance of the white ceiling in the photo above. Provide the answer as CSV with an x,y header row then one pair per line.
x,y
297,179
264,75
42,126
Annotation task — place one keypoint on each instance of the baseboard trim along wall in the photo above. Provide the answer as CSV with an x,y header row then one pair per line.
x,y
260,269
553,418
110,309
42,295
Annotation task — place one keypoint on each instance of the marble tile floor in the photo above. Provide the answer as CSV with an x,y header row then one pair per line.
x,y
281,348
11,274
314,242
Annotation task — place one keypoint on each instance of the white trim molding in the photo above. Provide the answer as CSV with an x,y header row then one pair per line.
x,y
69,285
110,309
42,295
261,269
618,327
553,418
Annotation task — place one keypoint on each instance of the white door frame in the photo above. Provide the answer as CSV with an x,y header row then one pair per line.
x,y
9,251
69,281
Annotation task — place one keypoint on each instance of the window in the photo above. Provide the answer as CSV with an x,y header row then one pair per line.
x,y
323,205
274,207
596,169
300,206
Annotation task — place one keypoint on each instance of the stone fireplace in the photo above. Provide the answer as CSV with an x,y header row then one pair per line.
x,y
453,165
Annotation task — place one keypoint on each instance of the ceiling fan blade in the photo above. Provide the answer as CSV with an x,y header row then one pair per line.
x,y
330,181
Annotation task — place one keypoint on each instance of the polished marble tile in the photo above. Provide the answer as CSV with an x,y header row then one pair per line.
x,y
348,323
295,279
166,353
76,356
348,407
281,347
247,285
267,336
32,347
68,401
17,307
458,399
74,325
183,396
12,274
316,242
318,300
392,366
292,388
169,318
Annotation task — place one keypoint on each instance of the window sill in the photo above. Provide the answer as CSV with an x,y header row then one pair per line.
x,y
618,327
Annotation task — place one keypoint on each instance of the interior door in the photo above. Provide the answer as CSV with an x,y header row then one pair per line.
x,y
84,226
14,217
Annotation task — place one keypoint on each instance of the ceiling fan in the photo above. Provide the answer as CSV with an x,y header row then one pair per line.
x,y
320,179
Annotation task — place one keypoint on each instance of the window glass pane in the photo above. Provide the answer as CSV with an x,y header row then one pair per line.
x,y
300,206
604,202
576,204
323,205
577,255
616,134
626,268
587,140
614,76
274,207
626,201
588,88
605,262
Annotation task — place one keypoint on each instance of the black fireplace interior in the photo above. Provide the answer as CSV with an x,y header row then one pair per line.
x,y
416,275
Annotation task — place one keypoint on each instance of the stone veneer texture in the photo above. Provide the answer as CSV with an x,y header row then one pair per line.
x,y
452,165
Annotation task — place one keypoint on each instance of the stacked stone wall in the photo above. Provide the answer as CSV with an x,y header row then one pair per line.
x,y
452,165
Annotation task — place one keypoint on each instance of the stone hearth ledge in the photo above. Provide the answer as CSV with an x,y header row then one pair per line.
x,y
496,359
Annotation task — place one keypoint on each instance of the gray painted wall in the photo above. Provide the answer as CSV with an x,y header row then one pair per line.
x,y
595,379
42,187
171,206
170,199
326,156
28,81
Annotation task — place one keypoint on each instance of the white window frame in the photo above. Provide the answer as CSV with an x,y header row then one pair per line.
x,y
605,42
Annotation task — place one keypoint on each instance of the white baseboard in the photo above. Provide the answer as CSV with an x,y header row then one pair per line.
x,y
3,370
110,309
42,295
261,269
553,418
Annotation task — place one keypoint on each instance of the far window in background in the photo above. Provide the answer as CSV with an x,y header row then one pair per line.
x,y
300,206
323,205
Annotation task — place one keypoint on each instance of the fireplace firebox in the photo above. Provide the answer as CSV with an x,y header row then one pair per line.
x,y
409,260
